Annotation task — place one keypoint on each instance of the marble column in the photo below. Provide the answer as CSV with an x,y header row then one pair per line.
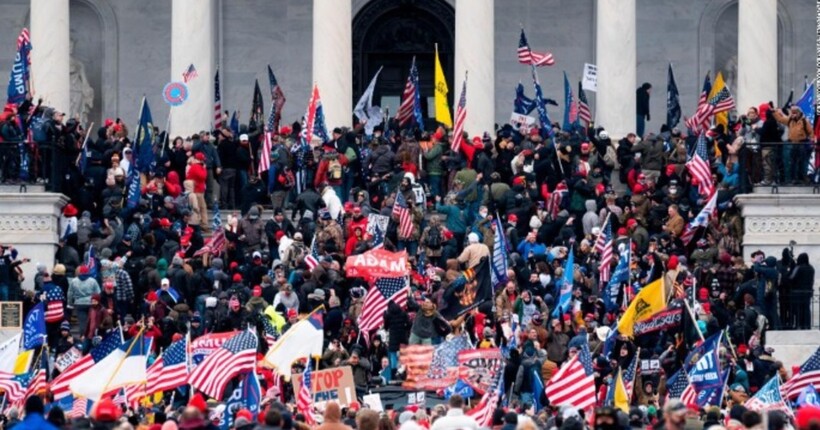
x,y
192,42
475,54
615,56
333,59
50,59
756,53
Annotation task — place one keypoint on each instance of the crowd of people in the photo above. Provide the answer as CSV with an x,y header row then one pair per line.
x,y
555,193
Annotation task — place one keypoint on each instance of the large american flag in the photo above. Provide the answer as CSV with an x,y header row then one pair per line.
x,y
170,370
410,109
483,412
698,167
304,400
54,304
584,114
236,356
60,385
402,211
530,57
696,122
461,118
189,73
574,383
384,290
720,102
603,246
217,103
809,374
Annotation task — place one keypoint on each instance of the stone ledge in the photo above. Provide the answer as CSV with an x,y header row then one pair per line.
x,y
793,347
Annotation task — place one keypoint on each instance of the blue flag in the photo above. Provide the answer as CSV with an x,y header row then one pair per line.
x,y
703,365
133,189
618,278
713,395
543,117
498,267
565,293
808,397
522,103
673,110
570,110
234,125
34,327
91,262
461,388
806,103
20,70
246,395
537,388
144,141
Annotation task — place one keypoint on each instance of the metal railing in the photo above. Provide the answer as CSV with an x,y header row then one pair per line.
x,y
28,162
780,164
797,310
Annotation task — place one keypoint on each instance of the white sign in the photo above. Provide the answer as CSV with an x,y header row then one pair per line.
x,y
67,358
416,398
521,121
374,220
373,401
590,80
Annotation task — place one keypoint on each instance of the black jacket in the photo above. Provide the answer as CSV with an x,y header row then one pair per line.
x,y
398,326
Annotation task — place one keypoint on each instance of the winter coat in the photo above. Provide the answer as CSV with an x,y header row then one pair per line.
x,y
397,324
81,289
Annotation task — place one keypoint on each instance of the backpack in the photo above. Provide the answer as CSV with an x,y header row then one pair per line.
x,y
434,238
334,169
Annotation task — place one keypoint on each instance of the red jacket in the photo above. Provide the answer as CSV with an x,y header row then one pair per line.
x,y
198,174
321,172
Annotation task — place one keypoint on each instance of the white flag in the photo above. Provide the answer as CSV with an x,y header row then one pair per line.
x,y
363,106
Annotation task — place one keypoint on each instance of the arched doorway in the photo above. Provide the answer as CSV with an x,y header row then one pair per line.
x,y
389,33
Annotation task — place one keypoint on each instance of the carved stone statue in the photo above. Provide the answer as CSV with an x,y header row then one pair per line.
x,y
82,94
730,73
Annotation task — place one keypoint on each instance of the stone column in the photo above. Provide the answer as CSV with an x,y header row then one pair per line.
x,y
475,54
50,59
756,53
616,59
333,59
192,42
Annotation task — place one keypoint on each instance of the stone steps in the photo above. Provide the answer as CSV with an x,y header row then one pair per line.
x,y
786,189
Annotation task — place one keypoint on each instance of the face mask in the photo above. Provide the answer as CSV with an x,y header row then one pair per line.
x,y
482,214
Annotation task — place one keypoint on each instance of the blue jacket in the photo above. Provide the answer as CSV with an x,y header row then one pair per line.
x,y
455,217
525,247
35,421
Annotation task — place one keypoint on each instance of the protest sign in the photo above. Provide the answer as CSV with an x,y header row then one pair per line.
x,y
334,384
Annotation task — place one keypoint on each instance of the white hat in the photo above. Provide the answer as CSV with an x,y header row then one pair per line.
x,y
602,333
165,281
535,223
472,238
243,137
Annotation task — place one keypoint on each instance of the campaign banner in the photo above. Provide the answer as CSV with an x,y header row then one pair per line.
x,y
521,121
334,384
206,344
663,320
479,367
67,358
377,263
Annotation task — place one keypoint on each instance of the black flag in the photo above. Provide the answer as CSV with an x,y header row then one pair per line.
x,y
673,111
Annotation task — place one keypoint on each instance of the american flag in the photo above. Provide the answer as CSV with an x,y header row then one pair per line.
x,y
433,367
603,246
384,290
696,122
23,38
402,211
270,331
189,74
461,118
556,199
312,259
584,114
217,103
702,220
236,356
530,57
574,383
769,398
60,385
170,370
304,401
12,385
698,166
410,108
809,374
277,97
54,304
120,398
677,385
483,412
720,102
215,244
80,408
628,375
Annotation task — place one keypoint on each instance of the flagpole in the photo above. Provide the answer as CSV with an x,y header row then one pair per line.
x,y
122,360
694,320
167,139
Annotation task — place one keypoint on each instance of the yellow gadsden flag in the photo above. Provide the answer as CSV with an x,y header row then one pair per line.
x,y
442,110
722,117
621,397
650,300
